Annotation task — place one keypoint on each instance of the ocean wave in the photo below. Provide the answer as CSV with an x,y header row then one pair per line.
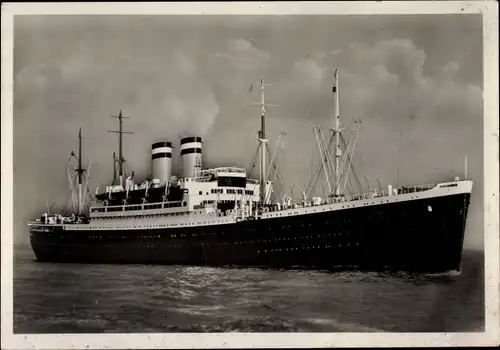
x,y
339,326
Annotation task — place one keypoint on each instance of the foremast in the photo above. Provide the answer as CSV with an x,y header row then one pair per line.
x,y
80,170
78,195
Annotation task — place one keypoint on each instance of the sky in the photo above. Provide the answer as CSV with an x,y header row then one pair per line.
x,y
414,80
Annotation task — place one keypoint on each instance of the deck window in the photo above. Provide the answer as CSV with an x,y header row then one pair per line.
x,y
228,181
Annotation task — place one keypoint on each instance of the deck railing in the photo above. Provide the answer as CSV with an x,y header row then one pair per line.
x,y
360,196
131,207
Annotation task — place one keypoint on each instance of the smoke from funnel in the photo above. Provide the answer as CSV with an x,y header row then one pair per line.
x,y
190,106
164,105
175,101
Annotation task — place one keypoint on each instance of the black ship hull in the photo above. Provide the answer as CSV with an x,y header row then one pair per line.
x,y
424,235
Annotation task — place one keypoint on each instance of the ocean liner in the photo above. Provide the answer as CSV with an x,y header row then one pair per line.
x,y
223,217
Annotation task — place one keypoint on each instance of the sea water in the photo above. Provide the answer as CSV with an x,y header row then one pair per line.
x,y
77,298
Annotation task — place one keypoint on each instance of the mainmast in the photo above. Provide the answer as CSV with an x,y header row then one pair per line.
x,y
114,169
337,154
120,133
80,172
263,140
336,130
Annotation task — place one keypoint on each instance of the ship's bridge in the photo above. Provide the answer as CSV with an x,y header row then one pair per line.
x,y
221,172
224,176
228,185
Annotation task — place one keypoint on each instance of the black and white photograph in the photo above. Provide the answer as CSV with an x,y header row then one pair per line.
x,y
249,175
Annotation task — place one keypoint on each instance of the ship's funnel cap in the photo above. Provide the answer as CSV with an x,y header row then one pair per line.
x,y
190,139
161,144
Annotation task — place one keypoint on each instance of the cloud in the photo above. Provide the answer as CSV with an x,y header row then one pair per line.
x,y
399,56
240,56
222,55
450,69
174,90
336,51
241,48
240,45
164,97
308,72
387,80
181,97
300,89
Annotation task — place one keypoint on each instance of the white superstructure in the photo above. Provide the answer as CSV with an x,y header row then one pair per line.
x,y
225,187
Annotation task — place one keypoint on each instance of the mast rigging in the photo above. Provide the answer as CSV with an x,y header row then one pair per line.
x,y
80,170
337,130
